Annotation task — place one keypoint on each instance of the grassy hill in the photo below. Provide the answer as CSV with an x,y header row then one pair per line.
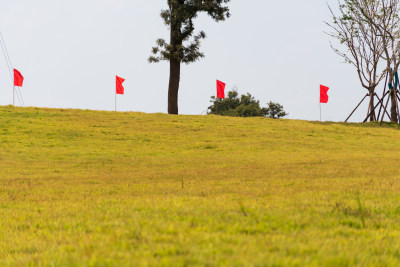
x,y
130,189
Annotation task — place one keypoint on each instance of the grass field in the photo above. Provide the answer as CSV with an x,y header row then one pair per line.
x,y
90,188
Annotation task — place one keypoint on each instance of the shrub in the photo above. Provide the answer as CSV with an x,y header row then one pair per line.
x,y
245,106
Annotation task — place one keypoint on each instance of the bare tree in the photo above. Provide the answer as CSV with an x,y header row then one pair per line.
x,y
384,16
363,44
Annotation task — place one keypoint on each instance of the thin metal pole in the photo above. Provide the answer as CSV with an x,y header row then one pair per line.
x,y
20,96
17,96
17,93
4,48
9,65
115,101
320,111
10,68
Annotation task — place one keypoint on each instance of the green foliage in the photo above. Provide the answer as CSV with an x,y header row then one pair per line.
x,y
245,106
179,17
274,111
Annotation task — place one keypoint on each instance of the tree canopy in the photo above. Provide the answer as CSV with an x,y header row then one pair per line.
x,y
179,17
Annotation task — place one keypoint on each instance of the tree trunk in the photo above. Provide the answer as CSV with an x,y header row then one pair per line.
x,y
174,79
393,108
174,63
371,104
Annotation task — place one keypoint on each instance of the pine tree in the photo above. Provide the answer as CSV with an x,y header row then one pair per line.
x,y
184,46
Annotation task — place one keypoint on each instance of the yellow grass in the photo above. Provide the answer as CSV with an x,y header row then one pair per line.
x,y
90,188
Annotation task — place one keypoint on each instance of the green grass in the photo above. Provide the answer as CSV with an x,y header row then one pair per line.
x,y
90,188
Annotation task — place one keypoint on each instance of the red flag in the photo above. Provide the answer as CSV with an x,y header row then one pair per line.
x,y
220,89
120,88
323,98
18,78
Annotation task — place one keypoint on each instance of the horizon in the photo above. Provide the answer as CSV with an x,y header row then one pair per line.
x,y
71,63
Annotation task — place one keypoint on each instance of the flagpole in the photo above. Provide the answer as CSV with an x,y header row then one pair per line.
x,y
14,95
115,101
320,112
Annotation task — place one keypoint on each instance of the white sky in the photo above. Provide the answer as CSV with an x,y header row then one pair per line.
x,y
69,52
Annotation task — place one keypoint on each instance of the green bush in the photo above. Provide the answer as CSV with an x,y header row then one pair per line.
x,y
244,106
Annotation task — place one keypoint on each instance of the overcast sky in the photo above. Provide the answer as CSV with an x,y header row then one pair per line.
x,y
70,51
